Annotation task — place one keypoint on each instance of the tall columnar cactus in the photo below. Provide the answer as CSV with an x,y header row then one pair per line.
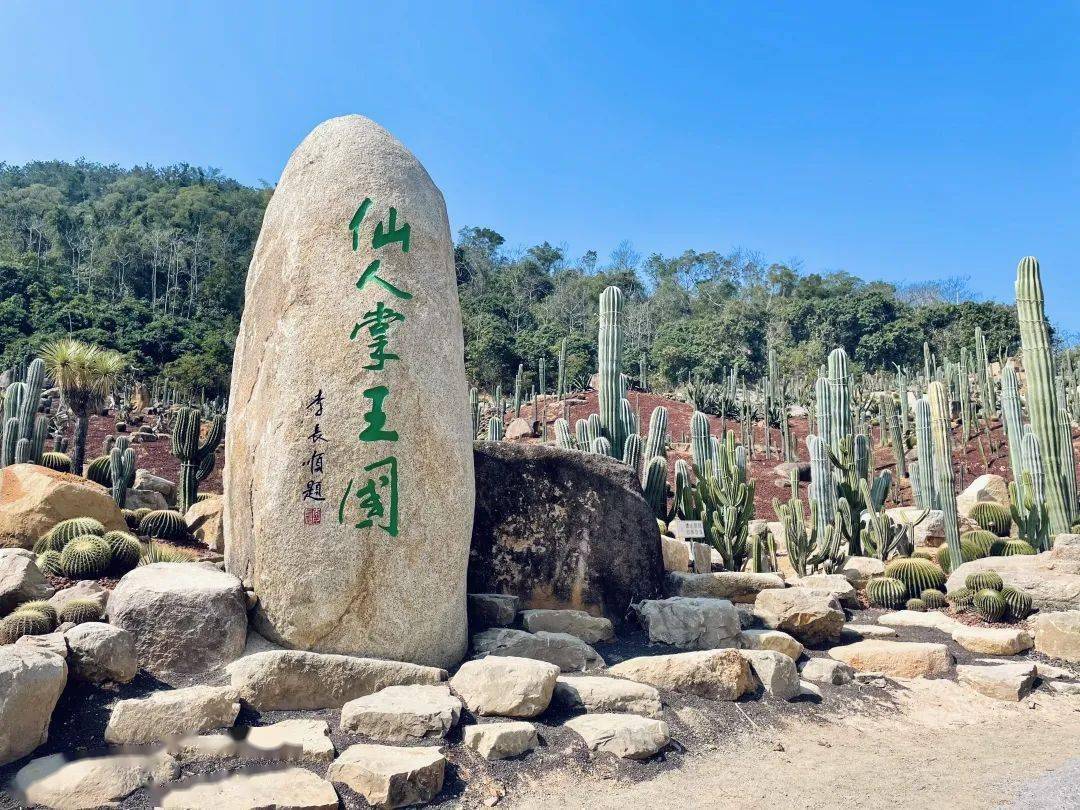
x,y
196,456
495,429
560,381
1011,415
9,443
519,381
474,411
632,450
541,372
986,382
609,358
121,469
963,389
1066,452
21,401
581,433
927,490
905,410
700,446
563,438
643,371
1027,496
656,444
1042,400
840,422
656,486
822,492
940,429
892,423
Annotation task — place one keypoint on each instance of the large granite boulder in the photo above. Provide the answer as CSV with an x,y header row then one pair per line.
x,y
690,623
562,529
1058,634
713,674
349,365
813,617
188,619
204,519
31,681
987,488
20,579
33,499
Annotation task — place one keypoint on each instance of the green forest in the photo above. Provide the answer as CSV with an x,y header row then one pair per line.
x,y
151,262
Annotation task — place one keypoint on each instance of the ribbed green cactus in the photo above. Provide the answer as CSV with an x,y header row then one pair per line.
x,y
926,492
61,462
164,553
581,433
24,429
121,469
165,524
563,438
685,505
917,573
940,428
980,539
992,517
23,623
125,551
85,557
809,550
822,491
632,451
960,599
1012,548
1027,495
9,441
725,495
916,604
78,611
700,447
560,382
494,429
474,411
986,382
990,604
886,592
656,486
983,580
48,562
41,606
519,382
601,446
609,359
892,423
1042,399
67,530
1011,415
968,552
196,455
933,599
1017,604
99,470
656,443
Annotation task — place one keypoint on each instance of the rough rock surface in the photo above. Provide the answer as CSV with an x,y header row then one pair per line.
x,y
145,499
598,694
510,687
284,789
54,643
188,619
172,713
735,586
393,586
492,610
897,659
20,579
758,639
83,589
713,674
144,479
287,740
676,554
826,670
1052,578
501,740
775,671
518,428
813,617
390,776
857,632
1001,682
585,626
988,487
568,653
919,618
993,640
100,653
597,547
403,713
205,520
625,735
836,584
1058,635
292,679
690,623
859,569
31,681
33,499
91,782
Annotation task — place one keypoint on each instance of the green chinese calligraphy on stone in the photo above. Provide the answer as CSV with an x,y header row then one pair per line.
x,y
371,274
378,322
358,217
392,234
376,417
376,498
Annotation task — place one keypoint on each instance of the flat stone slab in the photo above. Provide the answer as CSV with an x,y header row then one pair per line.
x,y
567,652
492,610
778,640
836,584
714,674
861,631
916,618
827,670
735,586
897,659
1058,635
54,781
390,776
585,626
501,740
505,686
1002,682
993,640
775,671
173,713
403,713
811,616
292,788
287,740
294,679
611,695
625,735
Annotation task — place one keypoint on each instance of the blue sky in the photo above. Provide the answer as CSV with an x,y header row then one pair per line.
x,y
902,143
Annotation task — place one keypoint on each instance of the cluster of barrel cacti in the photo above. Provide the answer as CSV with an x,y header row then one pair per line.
x,y
24,429
38,617
985,593
81,548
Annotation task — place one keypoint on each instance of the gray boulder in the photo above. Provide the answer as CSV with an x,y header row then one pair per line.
x,y
690,623
100,653
31,681
20,579
568,653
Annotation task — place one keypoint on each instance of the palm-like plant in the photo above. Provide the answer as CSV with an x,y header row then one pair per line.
x,y
85,375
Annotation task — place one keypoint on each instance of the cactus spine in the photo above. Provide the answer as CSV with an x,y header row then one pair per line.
x,y
1042,400
196,457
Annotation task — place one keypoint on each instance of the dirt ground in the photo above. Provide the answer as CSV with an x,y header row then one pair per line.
x,y
941,744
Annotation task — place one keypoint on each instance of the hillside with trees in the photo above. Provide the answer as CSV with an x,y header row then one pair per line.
x,y
151,262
